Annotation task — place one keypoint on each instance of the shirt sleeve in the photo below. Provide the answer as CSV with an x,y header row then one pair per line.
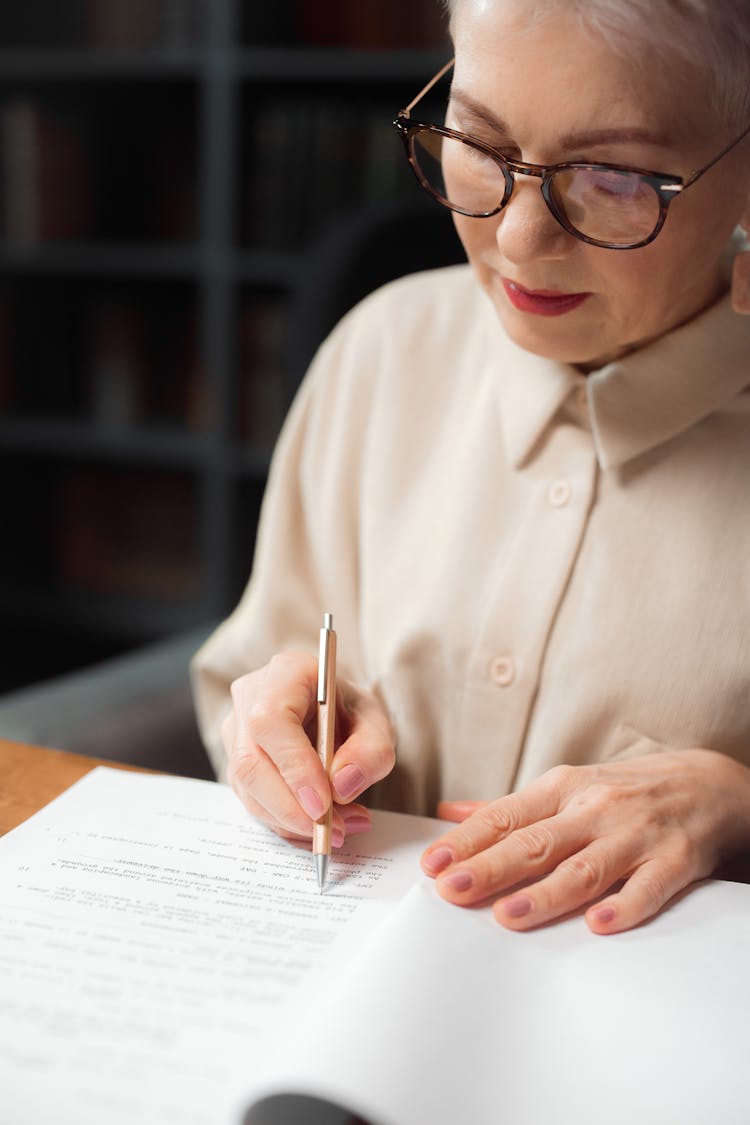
x,y
306,558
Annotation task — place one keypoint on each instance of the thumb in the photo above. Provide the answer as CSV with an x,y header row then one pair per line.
x,y
458,810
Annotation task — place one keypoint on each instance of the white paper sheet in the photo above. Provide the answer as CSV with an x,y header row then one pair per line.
x,y
164,960
468,1022
152,935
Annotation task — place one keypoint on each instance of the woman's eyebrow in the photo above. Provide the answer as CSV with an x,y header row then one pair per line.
x,y
581,139
623,135
478,110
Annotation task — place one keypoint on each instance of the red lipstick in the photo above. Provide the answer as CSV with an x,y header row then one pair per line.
x,y
543,302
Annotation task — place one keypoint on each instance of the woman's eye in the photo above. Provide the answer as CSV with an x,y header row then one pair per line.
x,y
623,185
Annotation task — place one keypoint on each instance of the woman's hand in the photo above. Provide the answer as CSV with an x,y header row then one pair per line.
x,y
653,824
273,765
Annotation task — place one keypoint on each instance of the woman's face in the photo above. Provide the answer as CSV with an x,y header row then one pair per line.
x,y
555,93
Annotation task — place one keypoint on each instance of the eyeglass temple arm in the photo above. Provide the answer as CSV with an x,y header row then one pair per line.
x,y
696,175
436,78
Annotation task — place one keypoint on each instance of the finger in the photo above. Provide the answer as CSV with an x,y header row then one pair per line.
x,y
492,823
271,708
367,754
528,853
647,890
356,818
258,783
577,880
338,828
458,810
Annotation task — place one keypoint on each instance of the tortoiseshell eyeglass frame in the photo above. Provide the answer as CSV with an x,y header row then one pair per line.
x,y
665,186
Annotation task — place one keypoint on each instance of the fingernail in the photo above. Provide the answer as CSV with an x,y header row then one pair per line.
x,y
311,802
355,824
518,906
337,837
437,861
604,915
459,881
348,781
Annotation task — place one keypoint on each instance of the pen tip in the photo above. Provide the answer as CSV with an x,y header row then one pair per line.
x,y
321,866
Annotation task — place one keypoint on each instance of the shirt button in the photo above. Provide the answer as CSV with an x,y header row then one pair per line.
x,y
503,670
559,493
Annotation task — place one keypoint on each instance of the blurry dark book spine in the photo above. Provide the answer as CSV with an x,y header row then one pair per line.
x,y
261,398
371,24
131,24
127,533
117,363
6,356
47,190
313,160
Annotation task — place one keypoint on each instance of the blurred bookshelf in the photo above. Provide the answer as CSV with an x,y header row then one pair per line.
x,y
164,166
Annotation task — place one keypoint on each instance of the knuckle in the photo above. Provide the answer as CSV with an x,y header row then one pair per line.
x,y
536,843
243,772
652,886
586,873
684,852
382,756
261,717
499,818
561,777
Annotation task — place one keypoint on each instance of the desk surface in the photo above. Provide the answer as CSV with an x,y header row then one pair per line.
x,y
31,776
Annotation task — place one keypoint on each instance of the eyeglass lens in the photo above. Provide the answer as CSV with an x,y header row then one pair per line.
x,y
600,203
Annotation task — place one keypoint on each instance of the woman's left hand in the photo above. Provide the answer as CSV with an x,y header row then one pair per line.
x,y
652,824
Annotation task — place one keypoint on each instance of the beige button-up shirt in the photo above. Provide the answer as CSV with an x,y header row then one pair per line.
x,y
528,565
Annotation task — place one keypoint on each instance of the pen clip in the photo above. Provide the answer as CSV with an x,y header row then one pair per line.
x,y
324,656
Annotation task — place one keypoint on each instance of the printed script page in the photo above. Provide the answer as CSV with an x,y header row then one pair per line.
x,y
154,938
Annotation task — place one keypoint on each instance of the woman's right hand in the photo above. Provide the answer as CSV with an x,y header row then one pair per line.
x,y
269,739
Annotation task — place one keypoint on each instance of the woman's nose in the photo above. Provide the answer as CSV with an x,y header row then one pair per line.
x,y
527,229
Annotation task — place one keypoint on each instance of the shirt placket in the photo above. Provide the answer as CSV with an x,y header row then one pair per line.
x,y
504,669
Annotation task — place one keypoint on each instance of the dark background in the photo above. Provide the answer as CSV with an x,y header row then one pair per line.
x,y
166,167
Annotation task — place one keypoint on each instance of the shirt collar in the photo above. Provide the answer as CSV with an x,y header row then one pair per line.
x,y
658,392
635,403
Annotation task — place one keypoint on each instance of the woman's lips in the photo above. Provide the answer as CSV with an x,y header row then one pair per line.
x,y
543,302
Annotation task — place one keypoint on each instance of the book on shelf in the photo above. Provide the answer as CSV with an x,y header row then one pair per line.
x,y
167,959
131,533
6,355
128,24
343,154
371,24
45,173
117,363
261,406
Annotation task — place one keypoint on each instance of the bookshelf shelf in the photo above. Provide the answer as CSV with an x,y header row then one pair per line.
x,y
152,231
100,64
81,440
156,260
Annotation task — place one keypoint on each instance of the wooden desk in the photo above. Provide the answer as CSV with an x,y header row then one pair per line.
x,y
31,776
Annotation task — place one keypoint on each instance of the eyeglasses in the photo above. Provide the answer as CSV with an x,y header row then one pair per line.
x,y
608,205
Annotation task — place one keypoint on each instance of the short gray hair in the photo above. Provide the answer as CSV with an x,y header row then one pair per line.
x,y
713,35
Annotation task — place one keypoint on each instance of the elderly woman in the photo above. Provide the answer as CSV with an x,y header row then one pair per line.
x,y
521,486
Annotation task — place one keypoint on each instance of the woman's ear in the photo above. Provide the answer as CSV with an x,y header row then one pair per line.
x,y
741,271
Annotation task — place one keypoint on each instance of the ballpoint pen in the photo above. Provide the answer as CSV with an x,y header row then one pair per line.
x,y
321,843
